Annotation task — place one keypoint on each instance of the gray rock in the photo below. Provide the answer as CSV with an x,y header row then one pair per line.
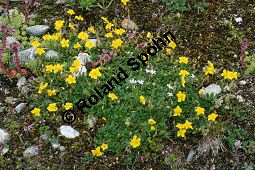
x,y
4,136
37,30
4,150
30,151
20,108
52,54
129,24
21,82
25,90
68,131
11,11
60,2
62,148
27,55
56,145
1,110
212,89
91,121
44,137
10,100
191,154
10,40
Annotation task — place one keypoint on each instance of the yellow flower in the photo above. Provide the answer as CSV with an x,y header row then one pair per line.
x,y
142,100
77,45
70,12
76,63
36,111
181,96
124,2
181,133
212,116
109,25
108,35
52,107
83,36
59,24
183,73
188,125
92,30
149,35
49,68
42,87
70,79
51,92
57,68
68,106
94,73
46,37
116,43
180,126
153,128
104,118
201,91
105,19
119,31
172,45
200,111
104,146
39,51
35,43
71,25
80,18
184,60
97,152
112,96
151,122
135,142
64,43
183,81
210,68
55,36
229,75
177,111
73,70
89,44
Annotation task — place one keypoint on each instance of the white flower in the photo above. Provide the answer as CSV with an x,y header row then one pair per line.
x,y
240,98
193,76
132,81
169,86
242,82
150,71
140,81
170,94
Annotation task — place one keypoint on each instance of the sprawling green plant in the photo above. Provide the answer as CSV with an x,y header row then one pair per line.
x,y
184,5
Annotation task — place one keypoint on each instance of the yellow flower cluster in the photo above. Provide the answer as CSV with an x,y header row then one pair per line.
x,y
152,122
183,127
209,69
229,75
53,68
97,152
